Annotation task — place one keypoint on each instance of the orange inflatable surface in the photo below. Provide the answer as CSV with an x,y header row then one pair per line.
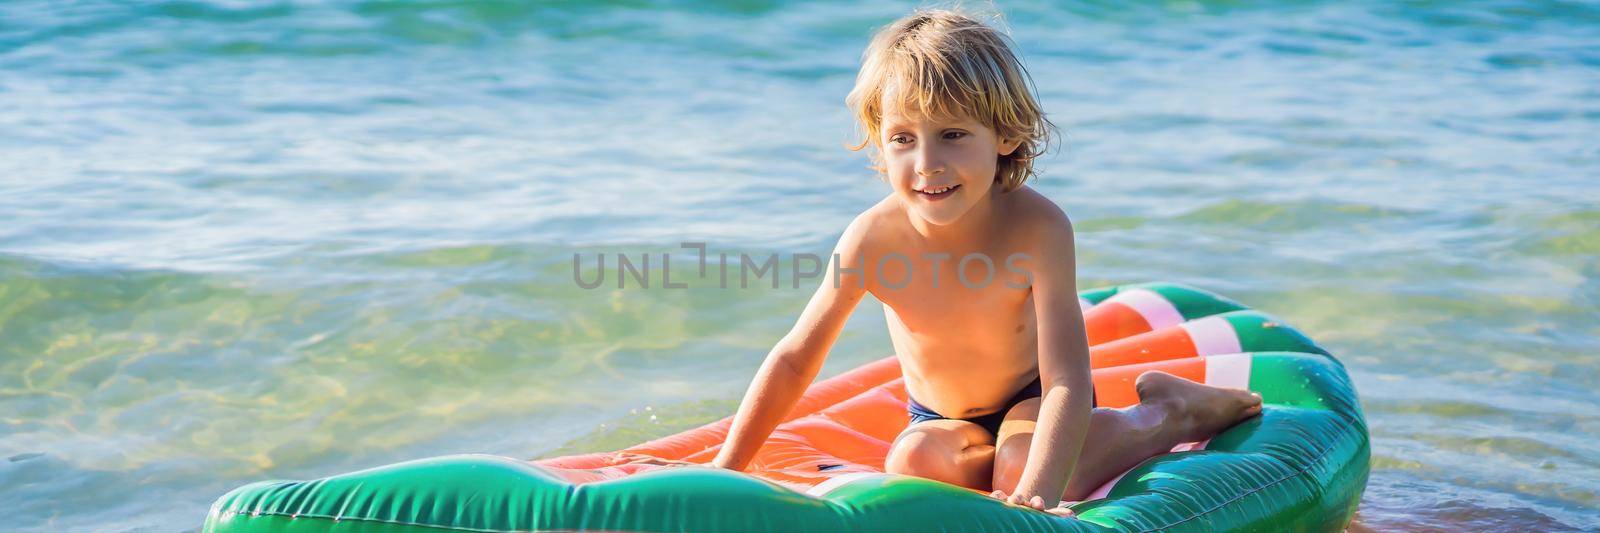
x,y
846,423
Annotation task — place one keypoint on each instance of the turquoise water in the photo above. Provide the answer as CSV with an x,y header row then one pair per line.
x,y
248,240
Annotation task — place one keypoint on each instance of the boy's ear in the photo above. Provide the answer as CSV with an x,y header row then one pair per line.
x,y
1007,146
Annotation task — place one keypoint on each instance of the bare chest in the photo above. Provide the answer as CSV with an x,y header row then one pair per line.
x,y
973,294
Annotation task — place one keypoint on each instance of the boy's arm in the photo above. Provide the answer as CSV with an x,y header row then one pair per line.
x,y
1063,368
797,358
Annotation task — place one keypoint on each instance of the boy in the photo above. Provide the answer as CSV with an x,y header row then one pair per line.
x,y
995,359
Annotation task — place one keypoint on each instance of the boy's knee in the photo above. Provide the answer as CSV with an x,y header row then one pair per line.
x,y
916,454
1008,464
941,456
1016,437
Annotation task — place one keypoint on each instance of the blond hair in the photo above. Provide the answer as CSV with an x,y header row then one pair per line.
x,y
945,64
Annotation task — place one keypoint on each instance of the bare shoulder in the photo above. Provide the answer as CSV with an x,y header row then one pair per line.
x,y
1046,234
1039,220
873,227
866,236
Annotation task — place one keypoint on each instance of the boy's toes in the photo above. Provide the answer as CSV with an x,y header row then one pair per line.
x,y
1238,400
1245,403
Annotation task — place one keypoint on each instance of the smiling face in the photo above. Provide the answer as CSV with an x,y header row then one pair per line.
x,y
946,102
939,167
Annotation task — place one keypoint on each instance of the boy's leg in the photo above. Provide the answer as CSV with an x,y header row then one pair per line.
x,y
1171,411
953,451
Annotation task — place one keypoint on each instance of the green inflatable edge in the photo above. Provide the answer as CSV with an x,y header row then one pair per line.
x,y
1301,466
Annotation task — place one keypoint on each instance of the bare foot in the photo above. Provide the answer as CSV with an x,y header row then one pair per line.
x,y
1196,411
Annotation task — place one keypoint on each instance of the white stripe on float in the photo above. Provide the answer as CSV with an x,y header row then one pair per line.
x,y
1105,489
1212,335
1084,304
823,488
1155,309
1230,371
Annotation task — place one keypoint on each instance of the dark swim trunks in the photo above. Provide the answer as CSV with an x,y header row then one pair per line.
x,y
991,421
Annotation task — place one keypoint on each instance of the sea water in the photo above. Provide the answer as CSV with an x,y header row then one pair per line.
x,y
280,240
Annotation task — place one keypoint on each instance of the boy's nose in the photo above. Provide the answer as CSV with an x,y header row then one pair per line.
x,y
928,166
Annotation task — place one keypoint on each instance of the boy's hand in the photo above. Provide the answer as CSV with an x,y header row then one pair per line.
x,y
1036,502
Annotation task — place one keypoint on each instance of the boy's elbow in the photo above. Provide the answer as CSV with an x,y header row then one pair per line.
x,y
790,357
